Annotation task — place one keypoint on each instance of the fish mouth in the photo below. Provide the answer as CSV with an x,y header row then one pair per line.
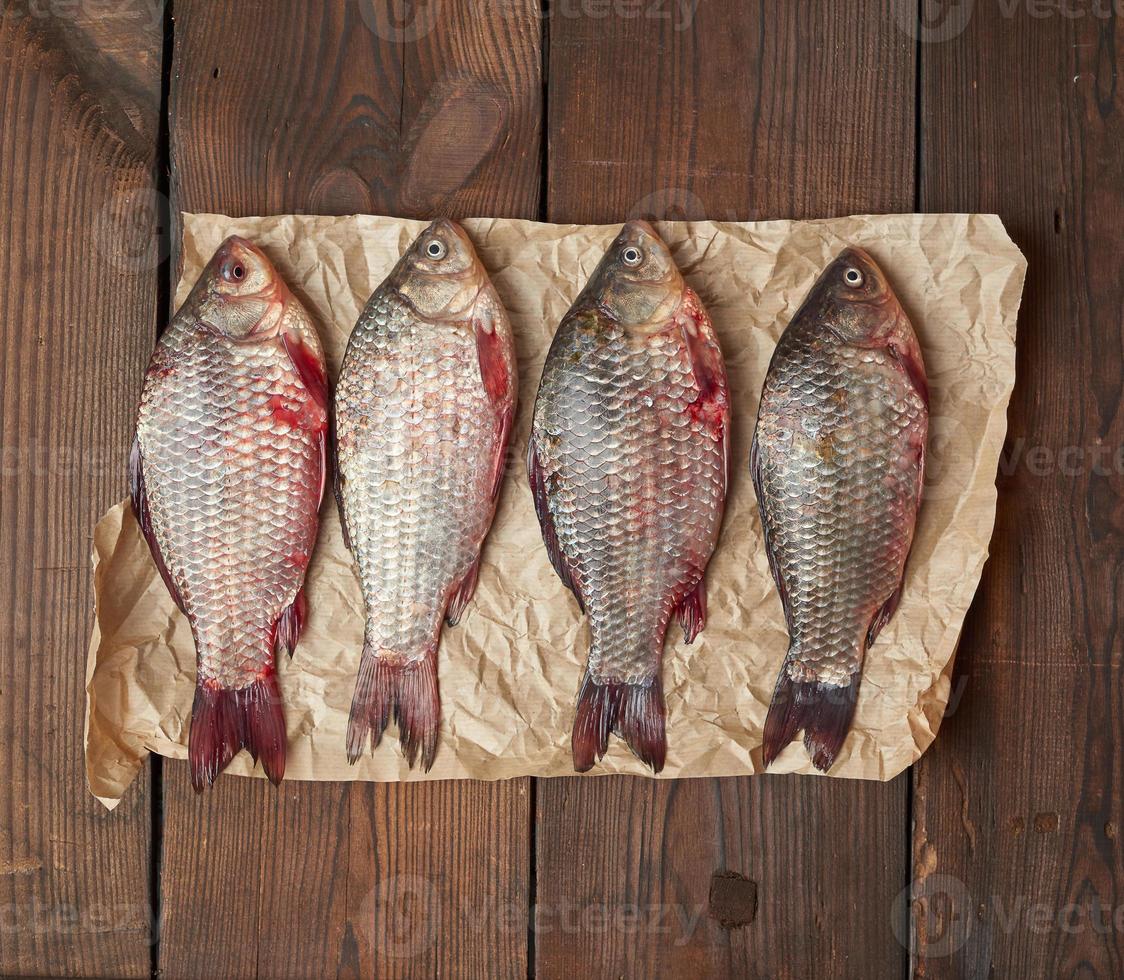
x,y
635,227
853,252
274,297
450,226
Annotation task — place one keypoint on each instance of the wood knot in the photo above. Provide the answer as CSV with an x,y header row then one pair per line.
x,y
455,131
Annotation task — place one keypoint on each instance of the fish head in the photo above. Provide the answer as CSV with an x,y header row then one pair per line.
x,y
240,295
854,299
637,282
440,275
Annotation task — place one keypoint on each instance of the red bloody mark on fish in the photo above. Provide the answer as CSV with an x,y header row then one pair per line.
x,y
711,414
283,414
298,558
493,364
306,416
712,407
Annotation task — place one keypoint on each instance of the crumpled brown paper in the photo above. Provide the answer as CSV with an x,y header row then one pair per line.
x,y
509,673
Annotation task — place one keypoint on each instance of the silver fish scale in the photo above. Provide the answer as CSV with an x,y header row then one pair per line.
x,y
840,486
635,483
416,435
232,488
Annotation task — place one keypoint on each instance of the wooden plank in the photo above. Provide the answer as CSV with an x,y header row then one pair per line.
x,y
728,116
1018,803
79,249
360,113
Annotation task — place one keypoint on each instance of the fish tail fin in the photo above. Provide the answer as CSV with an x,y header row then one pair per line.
x,y
406,689
823,711
225,720
635,712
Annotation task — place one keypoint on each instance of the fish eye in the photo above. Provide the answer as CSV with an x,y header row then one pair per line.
x,y
435,249
235,272
853,277
632,256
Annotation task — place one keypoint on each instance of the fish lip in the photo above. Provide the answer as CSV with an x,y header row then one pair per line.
x,y
448,224
859,252
638,225
275,295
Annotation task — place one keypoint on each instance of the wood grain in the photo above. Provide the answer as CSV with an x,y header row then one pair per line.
x,y
79,253
659,109
725,117
722,113
361,112
1018,804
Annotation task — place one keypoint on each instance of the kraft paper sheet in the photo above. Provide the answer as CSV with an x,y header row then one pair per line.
x,y
510,671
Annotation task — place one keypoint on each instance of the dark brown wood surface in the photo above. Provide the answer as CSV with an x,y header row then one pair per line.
x,y
827,857
1017,849
997,856
78,294
372,880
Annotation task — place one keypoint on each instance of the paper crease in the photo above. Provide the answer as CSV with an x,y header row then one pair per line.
x,y
509,672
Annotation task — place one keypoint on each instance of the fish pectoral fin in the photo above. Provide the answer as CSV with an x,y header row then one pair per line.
x,y
546,522
287,630
463,594
308,365
633,712
823,711
492,355
692,611
144,518
224,720
499,459
405,689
